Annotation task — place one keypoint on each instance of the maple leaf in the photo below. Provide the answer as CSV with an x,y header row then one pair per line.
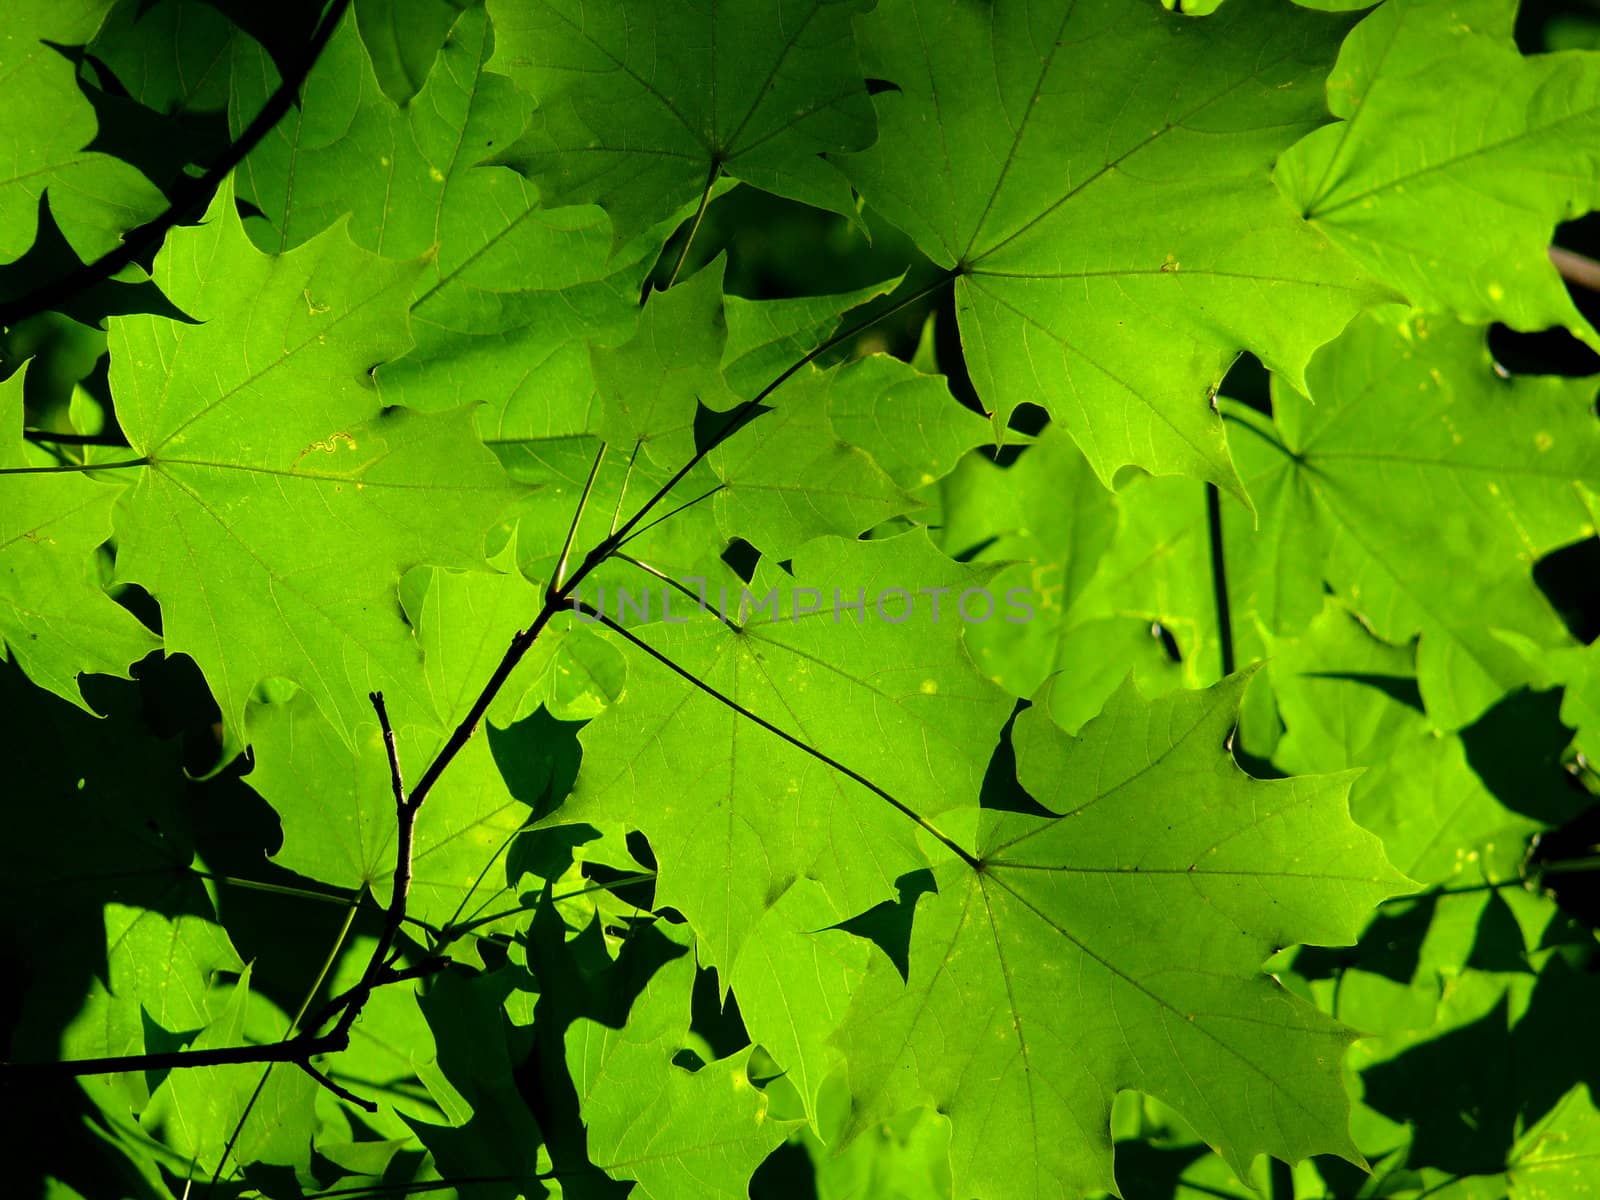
x,y
1115,234
643,105
276,546
1042,975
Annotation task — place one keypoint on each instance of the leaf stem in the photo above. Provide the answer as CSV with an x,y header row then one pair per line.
x,y
77,468
577,514
699,215
1219,577
45,437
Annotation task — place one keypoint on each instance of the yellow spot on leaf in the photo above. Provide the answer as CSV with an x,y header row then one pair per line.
x,y
1543,441
1496,292
929,687
435,174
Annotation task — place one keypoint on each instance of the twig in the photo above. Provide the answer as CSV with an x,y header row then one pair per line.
x,y
405,812
292,1050
1578,269
338,1090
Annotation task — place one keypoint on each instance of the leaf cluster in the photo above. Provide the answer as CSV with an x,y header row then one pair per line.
x,y
811,598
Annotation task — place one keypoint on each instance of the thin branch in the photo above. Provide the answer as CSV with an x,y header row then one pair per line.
x,y
338,1090
396,781
822,757
193,195
405,811
292,1050
1577,269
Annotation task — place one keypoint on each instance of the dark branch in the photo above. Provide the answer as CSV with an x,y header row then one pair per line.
x,y
295,1050
338,1090
405,812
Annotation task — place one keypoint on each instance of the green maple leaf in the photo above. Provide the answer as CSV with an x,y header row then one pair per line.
x,y
408,175
1558,1157
905,420
642,106
338,814
513,293
652,386
842,452
56,620
793,979
403,38
1104,575
1049,516
809,467
1406,483
158,969
280,502
1115,231
171,56
737,816
1119,945
766,337
1454,206
678,1134
466,620
1350,700
791,476
46,128
200,1111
